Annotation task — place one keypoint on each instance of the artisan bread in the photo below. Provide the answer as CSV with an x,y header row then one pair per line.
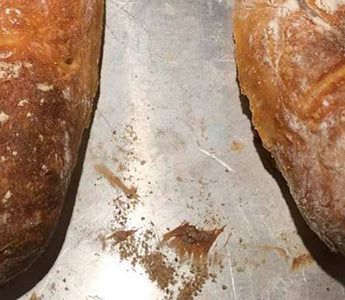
x,y
49,53
290,56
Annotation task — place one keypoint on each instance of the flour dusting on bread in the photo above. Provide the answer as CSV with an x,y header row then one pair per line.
x,y
330,6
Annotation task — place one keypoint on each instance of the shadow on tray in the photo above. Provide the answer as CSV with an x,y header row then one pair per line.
x,y
333,264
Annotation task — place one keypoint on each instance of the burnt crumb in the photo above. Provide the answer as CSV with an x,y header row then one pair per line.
x,y
224,287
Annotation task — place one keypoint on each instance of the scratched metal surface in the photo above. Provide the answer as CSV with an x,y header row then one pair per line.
x,y
169,74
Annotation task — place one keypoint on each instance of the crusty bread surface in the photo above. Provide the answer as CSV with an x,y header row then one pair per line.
x,y
290,56
49,53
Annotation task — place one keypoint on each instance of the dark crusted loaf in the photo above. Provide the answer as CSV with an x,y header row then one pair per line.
x,y
49,52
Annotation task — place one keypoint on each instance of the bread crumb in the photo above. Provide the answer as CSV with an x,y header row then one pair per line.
x,y
237,146
301,261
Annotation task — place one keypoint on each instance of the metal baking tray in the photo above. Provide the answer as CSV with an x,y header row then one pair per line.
x,y
172,146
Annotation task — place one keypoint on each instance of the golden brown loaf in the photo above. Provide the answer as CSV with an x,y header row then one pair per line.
x,y
291,64
49,53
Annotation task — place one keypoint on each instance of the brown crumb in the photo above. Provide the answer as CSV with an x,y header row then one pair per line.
x,y
224,287
237,146
188,240
302,260
137,250
103,241
35,297
128,250
192,287
119,236
178,178
122,167
116,182
158,270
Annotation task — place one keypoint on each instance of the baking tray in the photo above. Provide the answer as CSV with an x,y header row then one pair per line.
x,y
172,146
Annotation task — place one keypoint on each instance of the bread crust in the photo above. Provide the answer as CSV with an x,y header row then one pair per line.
x,y
49,52
291,64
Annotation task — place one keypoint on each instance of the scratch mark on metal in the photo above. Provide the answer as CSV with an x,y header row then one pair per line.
x,y
227,239
64,252
106,120
113,34
224,164
151,86
132,17
246,221
231,274
251,282
306,285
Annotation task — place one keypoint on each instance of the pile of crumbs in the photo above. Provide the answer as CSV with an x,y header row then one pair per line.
x,y
179,263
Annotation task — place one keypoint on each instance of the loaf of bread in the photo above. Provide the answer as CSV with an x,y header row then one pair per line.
x,y
49,53
291,65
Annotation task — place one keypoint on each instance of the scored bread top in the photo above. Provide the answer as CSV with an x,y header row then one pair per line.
x,y
291,64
